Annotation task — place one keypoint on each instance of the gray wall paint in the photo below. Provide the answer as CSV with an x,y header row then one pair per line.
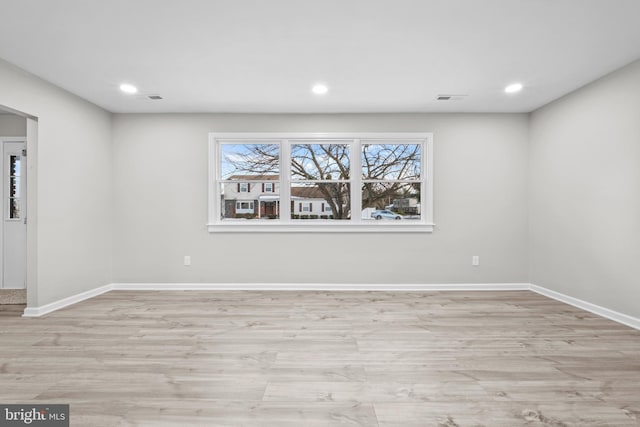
x,y
574,162
74,186
585,193
160,209
12,125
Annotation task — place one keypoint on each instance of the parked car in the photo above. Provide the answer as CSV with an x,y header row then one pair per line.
x,y
385,214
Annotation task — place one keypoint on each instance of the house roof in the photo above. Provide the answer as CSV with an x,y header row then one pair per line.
x,y
307,192
254,177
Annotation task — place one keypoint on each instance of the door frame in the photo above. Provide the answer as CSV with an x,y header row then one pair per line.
x,y
32,203
24,167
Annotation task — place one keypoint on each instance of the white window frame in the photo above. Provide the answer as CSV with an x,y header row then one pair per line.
x,y
244,187
356,224
269,187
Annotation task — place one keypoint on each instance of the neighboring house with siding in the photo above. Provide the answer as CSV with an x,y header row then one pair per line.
x,y
251,196
258,196
309,201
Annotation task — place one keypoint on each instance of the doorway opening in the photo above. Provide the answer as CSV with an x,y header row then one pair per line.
x,y
13,212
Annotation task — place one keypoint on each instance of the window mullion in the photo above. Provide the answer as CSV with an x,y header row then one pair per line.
x,y
285,181
214,184
426,199
356,181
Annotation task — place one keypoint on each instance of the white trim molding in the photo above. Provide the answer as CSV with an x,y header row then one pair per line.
x,y
320,226
615,316
409,287
65,302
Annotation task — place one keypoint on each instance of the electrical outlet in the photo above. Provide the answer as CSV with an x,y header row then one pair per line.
x,y
475,260
187,260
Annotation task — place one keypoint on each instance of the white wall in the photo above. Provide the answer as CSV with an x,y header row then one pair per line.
x,y
74,186
12,125
585,193
160,206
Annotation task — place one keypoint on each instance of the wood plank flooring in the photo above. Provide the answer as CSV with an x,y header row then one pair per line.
x,y
13,296
243,358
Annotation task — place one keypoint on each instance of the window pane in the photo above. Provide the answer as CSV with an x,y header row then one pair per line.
x,y
14,165
14,186
385,200
255,205
14,208
321,201
391,161
249,161
319,161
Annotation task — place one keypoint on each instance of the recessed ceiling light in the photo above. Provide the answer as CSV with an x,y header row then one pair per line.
x,y
319,89
127,88
516,87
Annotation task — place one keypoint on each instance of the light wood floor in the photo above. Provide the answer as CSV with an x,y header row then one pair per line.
x,y
209,358
13,296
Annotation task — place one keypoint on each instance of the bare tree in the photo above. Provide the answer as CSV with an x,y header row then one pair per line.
x,y
324,163
250,159
387,170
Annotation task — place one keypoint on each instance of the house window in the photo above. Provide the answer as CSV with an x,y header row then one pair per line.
x,y
335,182
244,206
305,207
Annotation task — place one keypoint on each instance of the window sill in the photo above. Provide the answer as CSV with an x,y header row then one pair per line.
x,y
319,227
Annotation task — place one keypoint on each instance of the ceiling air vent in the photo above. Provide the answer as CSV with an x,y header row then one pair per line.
x,y
155,97
450,97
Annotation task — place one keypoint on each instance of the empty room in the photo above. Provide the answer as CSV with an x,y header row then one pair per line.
x,y
320,213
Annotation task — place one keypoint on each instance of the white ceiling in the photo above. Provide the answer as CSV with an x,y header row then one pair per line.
x,y
375,55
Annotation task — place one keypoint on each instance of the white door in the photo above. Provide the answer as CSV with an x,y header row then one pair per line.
x,y
14,206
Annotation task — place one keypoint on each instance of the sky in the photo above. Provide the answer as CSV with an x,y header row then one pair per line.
x,y
380,161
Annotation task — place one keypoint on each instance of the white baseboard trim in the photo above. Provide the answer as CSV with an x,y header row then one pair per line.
x,y
616,316
318,287
624,319
65,302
